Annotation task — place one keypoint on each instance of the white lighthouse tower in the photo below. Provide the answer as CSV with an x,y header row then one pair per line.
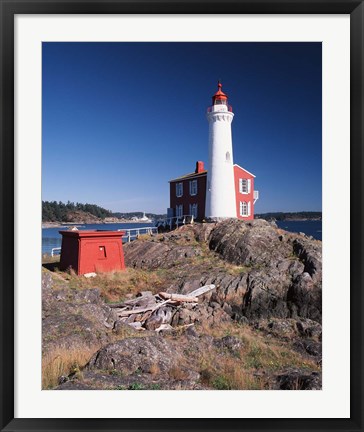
x,y
220,188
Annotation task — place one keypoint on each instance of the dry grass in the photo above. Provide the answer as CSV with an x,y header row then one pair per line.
x,y
242,370
178,374
62,361
227,372
113,286
144,237
154,369
231,375
48,259
260,352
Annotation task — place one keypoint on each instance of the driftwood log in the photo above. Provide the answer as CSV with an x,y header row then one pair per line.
x,y
178,297
142,301
142,310
202,290
154,312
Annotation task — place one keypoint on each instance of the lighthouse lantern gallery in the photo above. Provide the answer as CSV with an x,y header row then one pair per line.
x,y
225,190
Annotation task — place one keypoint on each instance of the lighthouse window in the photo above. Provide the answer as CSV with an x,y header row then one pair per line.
x,y
244,208
179,189
193,187
244,186
227,156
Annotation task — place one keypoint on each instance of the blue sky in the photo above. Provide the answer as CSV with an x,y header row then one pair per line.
x,y
121,119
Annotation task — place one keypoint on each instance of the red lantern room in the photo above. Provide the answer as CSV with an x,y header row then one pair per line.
x,y
92,251
219,98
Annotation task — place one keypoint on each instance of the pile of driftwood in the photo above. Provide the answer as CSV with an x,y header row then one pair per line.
x,y
155,311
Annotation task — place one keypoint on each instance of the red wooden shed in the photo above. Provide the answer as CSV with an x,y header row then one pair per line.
x,y
92,251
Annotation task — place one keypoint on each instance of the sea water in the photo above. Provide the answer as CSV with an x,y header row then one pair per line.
x,y
51,238
309,227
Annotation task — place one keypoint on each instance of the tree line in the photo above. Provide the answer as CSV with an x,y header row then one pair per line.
x,y
53,211
281,216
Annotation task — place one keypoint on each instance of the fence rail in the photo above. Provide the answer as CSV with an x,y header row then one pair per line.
x,y
175,221
55,249
134,233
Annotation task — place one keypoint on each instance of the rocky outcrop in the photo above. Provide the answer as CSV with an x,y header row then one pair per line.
x,y
267,280
284,269
298,380
310,254
71,318
280,272
145,355
153,255
255,243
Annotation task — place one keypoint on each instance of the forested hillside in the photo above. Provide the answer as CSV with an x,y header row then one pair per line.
x,y
303,215
53,211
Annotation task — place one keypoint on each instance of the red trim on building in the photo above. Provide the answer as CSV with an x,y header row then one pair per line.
x,y
242,174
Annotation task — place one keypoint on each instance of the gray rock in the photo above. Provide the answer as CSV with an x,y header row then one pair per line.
x,y
284,279
152,255
309,252
296,379
247,243
131,355
230,343
304,298
73,385
310,347
73,317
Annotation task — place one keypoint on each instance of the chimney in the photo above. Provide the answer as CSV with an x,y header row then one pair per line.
x,y
199,167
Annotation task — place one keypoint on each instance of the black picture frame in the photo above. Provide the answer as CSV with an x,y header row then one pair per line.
x,y
8,10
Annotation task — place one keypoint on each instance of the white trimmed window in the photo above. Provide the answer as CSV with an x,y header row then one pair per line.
x,y
193,187
244,186
245,208
179,189
179,210
193,210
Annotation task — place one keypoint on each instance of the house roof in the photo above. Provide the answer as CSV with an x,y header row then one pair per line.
x,y
244,170
202,173
190,175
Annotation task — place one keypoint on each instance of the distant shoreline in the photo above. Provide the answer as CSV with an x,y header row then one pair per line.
x,y
300,219
67,224
129,221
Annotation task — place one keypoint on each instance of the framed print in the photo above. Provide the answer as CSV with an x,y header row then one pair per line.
x,y
221,280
